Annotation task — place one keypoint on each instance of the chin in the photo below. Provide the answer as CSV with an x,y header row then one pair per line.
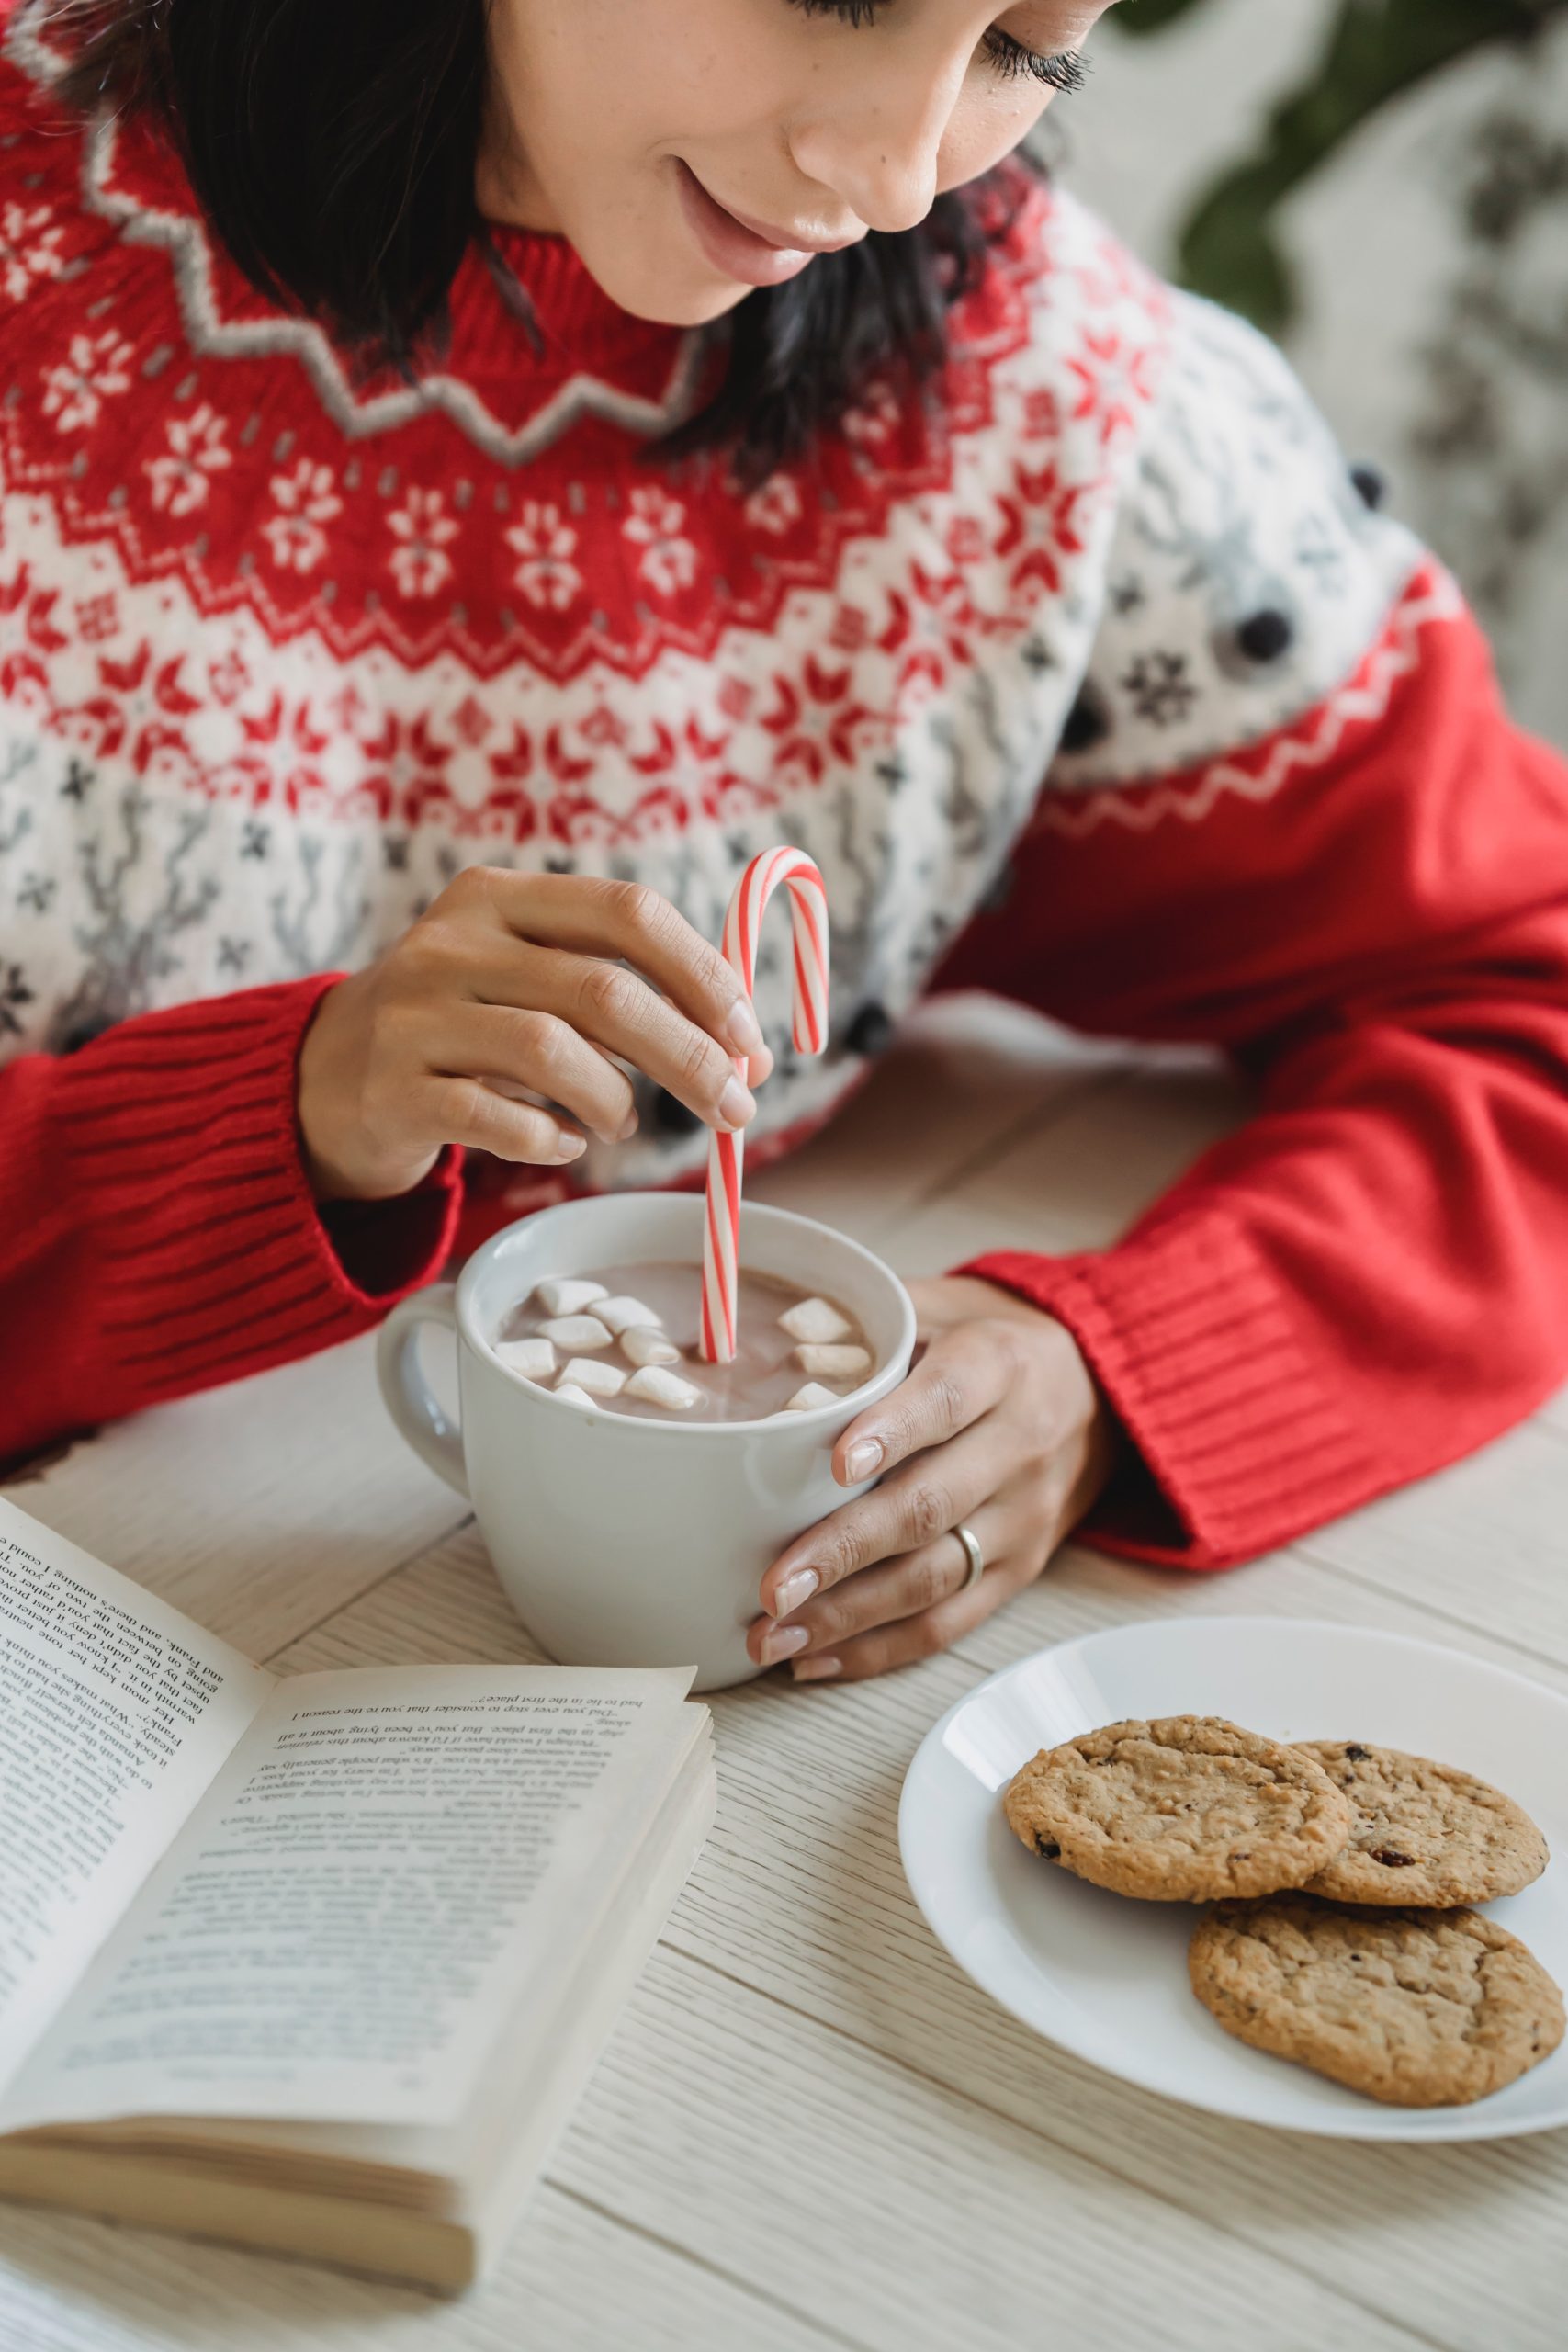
x,y
670,300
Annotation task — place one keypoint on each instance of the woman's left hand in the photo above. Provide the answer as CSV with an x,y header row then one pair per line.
x,y
999,1427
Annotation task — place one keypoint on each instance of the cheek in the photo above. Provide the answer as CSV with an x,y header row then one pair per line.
x,y
987,124
587,86
613,82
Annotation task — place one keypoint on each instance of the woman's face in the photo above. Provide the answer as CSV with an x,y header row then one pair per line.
x,y
692,150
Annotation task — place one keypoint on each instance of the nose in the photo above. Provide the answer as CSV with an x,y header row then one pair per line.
x,y
878,148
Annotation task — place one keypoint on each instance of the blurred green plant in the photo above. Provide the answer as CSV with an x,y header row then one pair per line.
x,y
1376,50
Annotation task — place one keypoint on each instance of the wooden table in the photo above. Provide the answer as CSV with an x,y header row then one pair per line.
x,y
810,2129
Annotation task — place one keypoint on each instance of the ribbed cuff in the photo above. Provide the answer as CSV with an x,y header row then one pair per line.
x,y
1241,1443
181,1165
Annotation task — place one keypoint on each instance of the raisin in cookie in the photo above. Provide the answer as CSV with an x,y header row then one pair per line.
x,y
1424,1833
1180,1811
1418,2008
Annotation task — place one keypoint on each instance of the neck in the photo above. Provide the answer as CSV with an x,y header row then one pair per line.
x,y
505,186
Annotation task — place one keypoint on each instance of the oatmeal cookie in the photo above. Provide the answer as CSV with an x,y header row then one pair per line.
x,y
1414,2008
1182,1810
1424,1835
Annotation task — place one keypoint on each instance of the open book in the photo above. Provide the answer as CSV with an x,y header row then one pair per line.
x,y
318,1963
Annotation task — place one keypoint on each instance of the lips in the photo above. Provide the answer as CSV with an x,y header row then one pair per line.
x,y
741,248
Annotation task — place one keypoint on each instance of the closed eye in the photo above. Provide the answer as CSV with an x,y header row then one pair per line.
x,y
1065,70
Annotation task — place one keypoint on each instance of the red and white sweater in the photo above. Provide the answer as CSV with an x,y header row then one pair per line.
x,y
1101,687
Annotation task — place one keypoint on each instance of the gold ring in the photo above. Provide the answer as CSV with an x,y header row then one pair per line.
x,y
975,1556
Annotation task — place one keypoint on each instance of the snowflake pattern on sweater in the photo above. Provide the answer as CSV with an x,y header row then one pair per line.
x,y
280,654
1246,576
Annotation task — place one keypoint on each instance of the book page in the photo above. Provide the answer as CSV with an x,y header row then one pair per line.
x,y
115,1713
388,1861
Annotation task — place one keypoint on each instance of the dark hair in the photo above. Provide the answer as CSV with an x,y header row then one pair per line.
x,y
337,164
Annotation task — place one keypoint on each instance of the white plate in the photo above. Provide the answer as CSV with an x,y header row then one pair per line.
x,y
1107,1978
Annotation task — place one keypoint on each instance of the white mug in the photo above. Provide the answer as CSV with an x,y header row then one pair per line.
x,y
620,1541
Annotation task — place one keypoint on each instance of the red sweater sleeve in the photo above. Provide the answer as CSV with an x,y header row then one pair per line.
x,y
1369,913
157,1234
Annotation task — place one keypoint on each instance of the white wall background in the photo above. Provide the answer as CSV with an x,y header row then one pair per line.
x,y
1439,356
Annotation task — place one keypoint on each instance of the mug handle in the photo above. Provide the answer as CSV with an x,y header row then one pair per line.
x,y
407,1395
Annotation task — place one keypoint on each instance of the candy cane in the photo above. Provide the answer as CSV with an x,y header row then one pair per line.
x,y
809,905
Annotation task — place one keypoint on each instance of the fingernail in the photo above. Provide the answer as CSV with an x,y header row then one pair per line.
x,y
817,1670
782,1642
798,1586
571,1146
743,1030
629,1129
735,1104
863,1459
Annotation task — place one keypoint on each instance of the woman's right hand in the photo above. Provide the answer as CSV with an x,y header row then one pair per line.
x,y
518,980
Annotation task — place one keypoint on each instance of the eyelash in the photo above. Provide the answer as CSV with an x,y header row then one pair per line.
x,y
1066,73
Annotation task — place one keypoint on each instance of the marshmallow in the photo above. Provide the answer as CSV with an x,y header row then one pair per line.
x,y
571,1331
654,1385
598,1379
620,1315
644,1346
816,1320
570,1394
532,1359
834,1364
567,1297
808,1399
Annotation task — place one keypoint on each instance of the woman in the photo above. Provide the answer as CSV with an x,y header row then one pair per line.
x,y
476,470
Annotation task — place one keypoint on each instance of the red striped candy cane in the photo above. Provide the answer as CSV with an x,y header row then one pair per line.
x,y
809,905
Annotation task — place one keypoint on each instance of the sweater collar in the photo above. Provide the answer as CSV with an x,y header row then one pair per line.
x,y
562,351
576,320
513,376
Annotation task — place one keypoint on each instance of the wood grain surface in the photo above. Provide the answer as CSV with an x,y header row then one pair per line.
x,y
810,2129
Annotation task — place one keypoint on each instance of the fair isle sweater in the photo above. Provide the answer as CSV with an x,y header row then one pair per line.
x,y
1099,686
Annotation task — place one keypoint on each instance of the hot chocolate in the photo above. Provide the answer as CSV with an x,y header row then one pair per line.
x,y
625,1340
